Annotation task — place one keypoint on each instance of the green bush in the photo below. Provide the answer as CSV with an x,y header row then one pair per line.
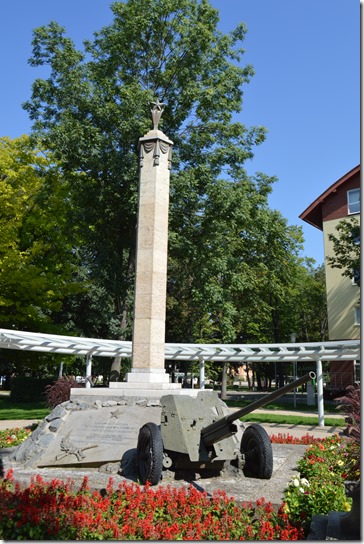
x,y
27,389
319,488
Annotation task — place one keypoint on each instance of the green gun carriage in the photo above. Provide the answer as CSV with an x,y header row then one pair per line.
x,y
200,434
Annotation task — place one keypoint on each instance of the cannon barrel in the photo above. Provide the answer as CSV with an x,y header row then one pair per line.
x,y
225,427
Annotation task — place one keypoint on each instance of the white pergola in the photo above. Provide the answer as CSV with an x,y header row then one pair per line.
x,y
317,352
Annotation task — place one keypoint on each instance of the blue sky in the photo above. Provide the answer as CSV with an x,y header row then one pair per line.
x,y
306,88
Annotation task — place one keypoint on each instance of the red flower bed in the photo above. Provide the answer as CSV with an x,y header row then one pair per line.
x,y
52,511
283,438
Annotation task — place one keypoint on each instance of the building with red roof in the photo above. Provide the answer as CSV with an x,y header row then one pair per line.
x,y
340,201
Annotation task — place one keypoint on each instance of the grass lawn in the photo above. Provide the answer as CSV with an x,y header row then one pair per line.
x,y
21,410
300,407
287,419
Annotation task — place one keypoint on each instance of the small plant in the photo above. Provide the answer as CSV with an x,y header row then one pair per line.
x,y
320,486
305,498
60,391
14,437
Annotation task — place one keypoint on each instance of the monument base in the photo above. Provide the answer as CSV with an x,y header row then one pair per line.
x,y
125,390
141,383
145,375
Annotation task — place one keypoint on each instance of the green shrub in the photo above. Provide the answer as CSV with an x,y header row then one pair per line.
x,y
27,389
320,486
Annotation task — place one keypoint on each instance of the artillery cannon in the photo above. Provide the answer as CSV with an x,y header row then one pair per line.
x,y
199,434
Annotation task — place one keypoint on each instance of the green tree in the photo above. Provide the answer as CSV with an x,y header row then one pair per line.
x,y
231,258
346,248
94,105
308,308
37,258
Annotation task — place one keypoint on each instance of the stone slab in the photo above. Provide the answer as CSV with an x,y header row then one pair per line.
x,y
95,437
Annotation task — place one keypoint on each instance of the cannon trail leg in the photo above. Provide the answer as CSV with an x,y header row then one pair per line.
x,y
150,454
257,449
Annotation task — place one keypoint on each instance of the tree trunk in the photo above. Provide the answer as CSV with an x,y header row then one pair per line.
x,y
247,369
224,382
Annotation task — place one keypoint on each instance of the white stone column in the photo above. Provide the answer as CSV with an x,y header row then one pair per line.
x,y
151,260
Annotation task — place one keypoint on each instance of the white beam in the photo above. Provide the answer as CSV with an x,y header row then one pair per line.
x,y
327,351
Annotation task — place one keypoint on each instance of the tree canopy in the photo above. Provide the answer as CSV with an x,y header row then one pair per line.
x,y
93,108
234,264
37,257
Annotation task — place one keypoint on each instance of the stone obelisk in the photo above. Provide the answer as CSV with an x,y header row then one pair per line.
x,y
151,256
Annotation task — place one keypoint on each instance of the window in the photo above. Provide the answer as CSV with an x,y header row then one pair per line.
x,y
354,201
357,371
357,315
356,277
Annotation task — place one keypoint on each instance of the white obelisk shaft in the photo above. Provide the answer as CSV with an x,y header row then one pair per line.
x,y
151,260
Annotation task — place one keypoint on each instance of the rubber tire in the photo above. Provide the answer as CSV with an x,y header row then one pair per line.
x,y
257,449
150,454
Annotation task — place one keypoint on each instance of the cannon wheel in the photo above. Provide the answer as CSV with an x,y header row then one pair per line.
x,y
150,454
257,449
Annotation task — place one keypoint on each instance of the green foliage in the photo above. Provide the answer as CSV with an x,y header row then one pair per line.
x,y
234,271
27,389
37,261
91,112
320,487
346,247
308,309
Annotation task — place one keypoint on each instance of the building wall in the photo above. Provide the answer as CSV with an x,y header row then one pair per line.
x,y
336,206
342,374
342,294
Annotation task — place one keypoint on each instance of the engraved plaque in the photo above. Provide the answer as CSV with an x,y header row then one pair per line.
x,y
95,437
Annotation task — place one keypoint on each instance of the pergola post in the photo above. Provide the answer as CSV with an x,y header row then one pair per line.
x,y
89,369
202,372
320,393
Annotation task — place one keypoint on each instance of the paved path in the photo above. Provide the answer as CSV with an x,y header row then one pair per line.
x,y
16,423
